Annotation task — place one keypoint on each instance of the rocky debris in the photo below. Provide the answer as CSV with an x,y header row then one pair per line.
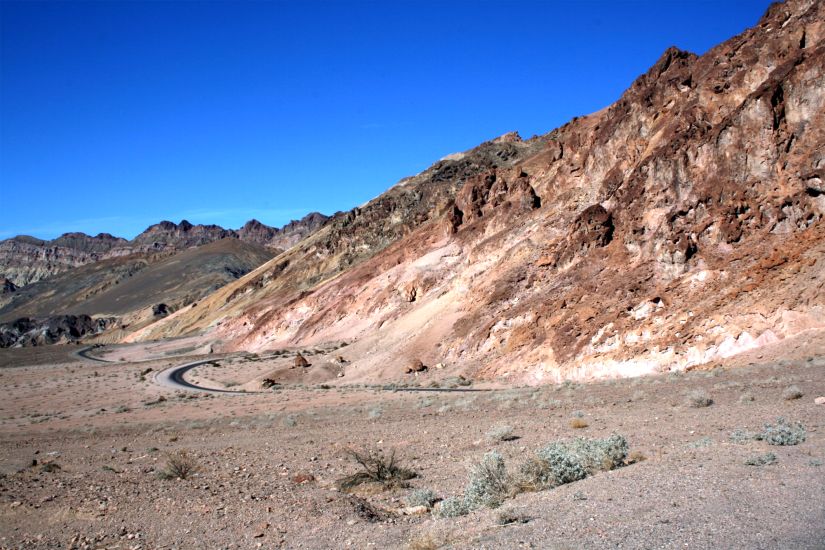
x,y
508,190
415,366
160,310
300,361
592,228
820,400
7,286
59,328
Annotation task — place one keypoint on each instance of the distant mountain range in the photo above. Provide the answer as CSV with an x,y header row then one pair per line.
x,y
25,260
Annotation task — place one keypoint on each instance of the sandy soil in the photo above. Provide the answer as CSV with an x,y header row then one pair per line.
x,y
268,462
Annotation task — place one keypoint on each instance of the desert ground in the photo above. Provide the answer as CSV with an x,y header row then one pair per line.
x,y
84,445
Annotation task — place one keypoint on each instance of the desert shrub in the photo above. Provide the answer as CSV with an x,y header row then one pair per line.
x,y
564,462
501,433
746,397
290,421
451,507
783,433
179,465
375,412
421,497
740,436
761,460
376,468
489,483
791,393
699,398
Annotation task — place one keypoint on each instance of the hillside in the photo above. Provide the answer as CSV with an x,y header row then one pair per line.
x,y
132,290
678,226
25,260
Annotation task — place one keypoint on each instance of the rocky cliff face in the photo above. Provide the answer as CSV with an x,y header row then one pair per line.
x,y
680,225
25,260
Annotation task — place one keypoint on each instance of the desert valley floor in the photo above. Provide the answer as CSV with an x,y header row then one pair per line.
x,y
79,468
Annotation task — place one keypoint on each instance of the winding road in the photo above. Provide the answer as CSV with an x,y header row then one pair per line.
x,y
173,378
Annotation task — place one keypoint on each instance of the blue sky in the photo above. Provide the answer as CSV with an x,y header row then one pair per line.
x,y
116,115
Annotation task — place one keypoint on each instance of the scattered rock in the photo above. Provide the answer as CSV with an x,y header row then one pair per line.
x,y
300,361
820,400
415,366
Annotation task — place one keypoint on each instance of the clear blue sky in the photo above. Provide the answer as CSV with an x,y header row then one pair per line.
x,y
115,115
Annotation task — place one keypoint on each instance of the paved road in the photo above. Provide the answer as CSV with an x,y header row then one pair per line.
x,y
173,378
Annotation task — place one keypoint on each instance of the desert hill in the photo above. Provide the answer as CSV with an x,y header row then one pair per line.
x,y
678,226
25,260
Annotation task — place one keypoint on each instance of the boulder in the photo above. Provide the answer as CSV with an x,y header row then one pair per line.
x,y
415,366
300,361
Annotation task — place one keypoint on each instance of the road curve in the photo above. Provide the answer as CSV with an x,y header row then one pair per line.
x,y
173,378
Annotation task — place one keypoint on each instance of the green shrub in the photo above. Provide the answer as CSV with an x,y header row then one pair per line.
x,y
489,483
761,460
451,507
564,462
783,433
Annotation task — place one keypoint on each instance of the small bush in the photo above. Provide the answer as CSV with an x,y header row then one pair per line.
x,y
699,399
489,483
783,433
746,398
791,393
568,461
761,460
179,465
451,508
739,436
50,467
421,497
501,433
376,468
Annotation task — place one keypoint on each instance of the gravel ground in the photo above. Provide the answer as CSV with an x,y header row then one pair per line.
x,y
267,464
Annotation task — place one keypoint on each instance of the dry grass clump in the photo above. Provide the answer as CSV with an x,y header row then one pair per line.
x,y
425,542
699,399
578,423
375,468
179,465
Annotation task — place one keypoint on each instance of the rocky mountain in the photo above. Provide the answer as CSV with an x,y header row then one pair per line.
x,y
25,260
680,225
126,292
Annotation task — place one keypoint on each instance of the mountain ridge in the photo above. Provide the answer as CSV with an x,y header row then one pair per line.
x,y
681,224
